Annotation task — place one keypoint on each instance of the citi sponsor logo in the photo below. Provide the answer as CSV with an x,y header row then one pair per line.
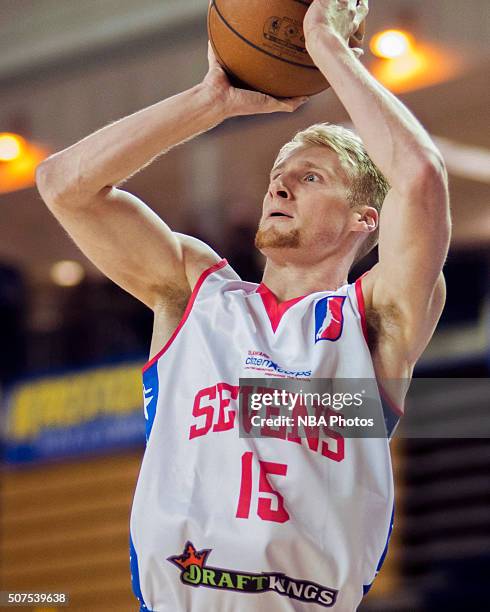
x,y
256,360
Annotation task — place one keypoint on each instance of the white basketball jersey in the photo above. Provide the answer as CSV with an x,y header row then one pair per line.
x,y
223,523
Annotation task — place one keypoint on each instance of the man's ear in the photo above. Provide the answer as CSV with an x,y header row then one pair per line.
x,y
366,219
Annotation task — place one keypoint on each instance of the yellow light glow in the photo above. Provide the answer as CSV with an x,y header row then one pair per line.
x,y
11,146
391,43
17,171
420,67
67,273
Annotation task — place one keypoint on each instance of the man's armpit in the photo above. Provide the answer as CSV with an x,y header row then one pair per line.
x,y
383,324
173,299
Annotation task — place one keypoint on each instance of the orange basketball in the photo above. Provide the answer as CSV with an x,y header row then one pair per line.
x,y
261,45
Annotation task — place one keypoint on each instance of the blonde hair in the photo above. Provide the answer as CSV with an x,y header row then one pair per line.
x,y
368,186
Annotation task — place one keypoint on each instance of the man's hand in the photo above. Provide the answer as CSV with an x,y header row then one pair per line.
x,y
235,102
340,18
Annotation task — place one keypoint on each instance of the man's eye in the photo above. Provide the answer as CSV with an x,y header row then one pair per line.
x,y
311,178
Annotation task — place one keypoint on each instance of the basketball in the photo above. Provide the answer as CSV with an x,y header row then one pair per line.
x,y
261,46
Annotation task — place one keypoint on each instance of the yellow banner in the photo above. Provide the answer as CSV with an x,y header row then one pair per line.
x,y
73,399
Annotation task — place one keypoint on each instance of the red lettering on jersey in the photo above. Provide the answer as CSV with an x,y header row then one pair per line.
x,y
311,433
243,510
269,431
224,402
265,506
339,453
270,507
246,413
207,411
218,404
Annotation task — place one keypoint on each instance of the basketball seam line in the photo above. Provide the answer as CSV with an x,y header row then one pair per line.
x,y
254,46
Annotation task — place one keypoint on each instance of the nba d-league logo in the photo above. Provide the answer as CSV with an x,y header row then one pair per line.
x,y
329,318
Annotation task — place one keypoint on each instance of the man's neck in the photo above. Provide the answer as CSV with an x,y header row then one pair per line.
x,y
290,280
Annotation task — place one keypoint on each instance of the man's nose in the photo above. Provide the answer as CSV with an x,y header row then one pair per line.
x,y
279,190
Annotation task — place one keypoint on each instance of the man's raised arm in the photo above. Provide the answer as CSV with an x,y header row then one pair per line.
x,y
414,223
116,230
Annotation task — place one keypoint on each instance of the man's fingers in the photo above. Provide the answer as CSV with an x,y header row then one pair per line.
x,y
285,105
352,5
361,14
213,62
362,10
357,12
291,104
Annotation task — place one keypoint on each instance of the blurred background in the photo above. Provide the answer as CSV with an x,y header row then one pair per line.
x,y
72,343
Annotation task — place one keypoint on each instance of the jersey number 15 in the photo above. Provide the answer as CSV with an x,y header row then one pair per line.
x,y
270,507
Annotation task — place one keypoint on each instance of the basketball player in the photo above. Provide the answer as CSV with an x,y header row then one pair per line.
x,y
226,523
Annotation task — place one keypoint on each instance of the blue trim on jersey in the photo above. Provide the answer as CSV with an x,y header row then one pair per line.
x,y
150,396
135,575
366,587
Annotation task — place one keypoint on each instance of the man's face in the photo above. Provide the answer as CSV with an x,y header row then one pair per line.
x,y
306,205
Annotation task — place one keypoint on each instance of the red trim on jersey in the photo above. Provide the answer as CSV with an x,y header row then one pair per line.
x,y
362,311
190,303
362,307
275,309
389,402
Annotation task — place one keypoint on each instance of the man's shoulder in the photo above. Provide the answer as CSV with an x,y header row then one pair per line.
x,y
198,257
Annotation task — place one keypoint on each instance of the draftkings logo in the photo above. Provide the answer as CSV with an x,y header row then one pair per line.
x,y
195,572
